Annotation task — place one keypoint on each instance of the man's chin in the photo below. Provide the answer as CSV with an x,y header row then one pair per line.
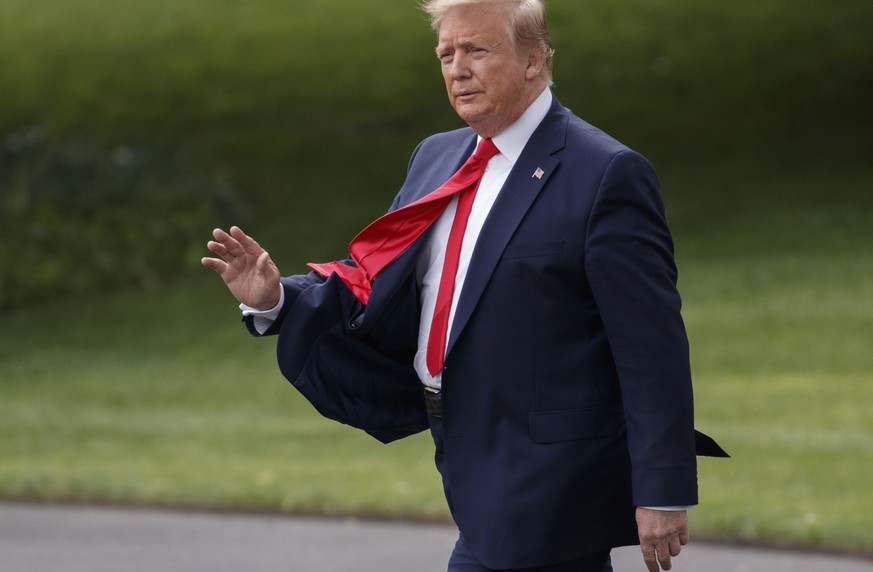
x,y
472,114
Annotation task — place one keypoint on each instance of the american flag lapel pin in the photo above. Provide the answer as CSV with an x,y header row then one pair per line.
x,y
538,174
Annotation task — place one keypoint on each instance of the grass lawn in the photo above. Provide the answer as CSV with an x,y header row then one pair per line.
x,y
160,397
778,289
163,398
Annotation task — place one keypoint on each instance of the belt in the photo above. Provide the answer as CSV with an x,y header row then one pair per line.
x,y
433,401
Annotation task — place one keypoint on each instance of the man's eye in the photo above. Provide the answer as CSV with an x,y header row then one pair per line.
x,y
445,58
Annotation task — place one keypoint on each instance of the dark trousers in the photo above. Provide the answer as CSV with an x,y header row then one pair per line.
x,y
462,560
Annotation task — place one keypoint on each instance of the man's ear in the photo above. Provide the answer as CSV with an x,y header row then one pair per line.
x,y
535,62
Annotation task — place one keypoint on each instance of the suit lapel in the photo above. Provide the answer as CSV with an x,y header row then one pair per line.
x,y
530,174
399,271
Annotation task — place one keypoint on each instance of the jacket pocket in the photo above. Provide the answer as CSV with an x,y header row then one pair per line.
x,y
530,250
576,424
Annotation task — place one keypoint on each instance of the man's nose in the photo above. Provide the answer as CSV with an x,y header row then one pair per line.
x,y
460,67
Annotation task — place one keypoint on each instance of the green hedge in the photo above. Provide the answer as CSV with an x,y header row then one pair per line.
x,y
77,216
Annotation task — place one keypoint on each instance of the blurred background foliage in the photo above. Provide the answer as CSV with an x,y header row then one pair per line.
x,y
129,129
172,116
82,218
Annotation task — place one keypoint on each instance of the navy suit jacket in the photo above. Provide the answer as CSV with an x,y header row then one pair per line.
x,y
567,391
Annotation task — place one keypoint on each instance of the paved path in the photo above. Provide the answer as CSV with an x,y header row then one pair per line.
x,y
45,538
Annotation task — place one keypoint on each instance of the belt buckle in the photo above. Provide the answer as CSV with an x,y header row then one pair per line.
x,y
433,401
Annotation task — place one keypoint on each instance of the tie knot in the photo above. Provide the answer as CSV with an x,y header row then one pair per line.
x,y
486,149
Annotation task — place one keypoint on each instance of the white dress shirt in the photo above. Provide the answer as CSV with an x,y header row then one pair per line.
x,y
510,142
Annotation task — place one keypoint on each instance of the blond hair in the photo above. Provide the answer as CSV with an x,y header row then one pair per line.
x,y
527,20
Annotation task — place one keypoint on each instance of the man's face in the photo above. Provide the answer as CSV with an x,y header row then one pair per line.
x,y
489,83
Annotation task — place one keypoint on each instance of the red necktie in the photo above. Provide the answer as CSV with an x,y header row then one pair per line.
x,y
436,341
389,235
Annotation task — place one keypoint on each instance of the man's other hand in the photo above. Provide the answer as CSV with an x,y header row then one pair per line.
x,y
662,536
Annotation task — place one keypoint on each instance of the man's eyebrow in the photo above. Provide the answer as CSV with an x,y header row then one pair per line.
x,y
464,44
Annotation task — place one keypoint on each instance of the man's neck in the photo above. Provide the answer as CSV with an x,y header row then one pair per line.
x,y
512,140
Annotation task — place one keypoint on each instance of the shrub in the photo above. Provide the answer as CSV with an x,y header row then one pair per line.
x,y
77,216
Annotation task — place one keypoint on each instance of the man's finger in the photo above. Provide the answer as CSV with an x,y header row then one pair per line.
x,y
650,558
264,263
248,243
664,559
230,243
217,248
675,546
220,235
214,264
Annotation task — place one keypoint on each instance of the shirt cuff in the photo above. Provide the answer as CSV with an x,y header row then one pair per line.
x,y
263,319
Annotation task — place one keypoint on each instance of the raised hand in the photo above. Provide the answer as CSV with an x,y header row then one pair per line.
x,y
246,268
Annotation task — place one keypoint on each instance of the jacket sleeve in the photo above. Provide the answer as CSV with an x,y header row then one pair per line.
x,y
630,266
292,286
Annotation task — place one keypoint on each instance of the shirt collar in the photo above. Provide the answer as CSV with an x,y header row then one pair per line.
x,y
511,141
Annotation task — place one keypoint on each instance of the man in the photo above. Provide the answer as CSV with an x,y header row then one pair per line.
x,y
560,398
